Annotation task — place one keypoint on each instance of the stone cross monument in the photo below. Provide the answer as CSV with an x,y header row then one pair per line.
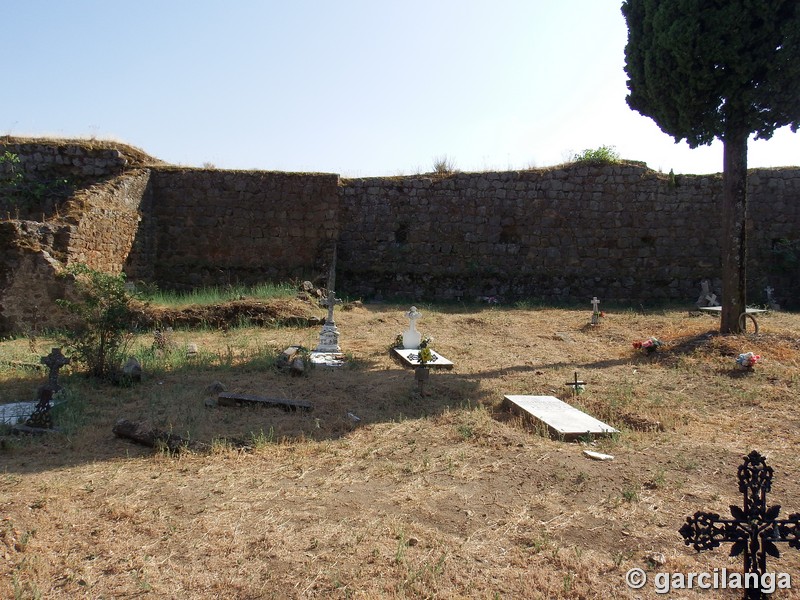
x,y
595,311
412,337
329,336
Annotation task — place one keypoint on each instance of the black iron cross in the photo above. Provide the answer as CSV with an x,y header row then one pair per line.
x,y
41,417
754,530
577,385
54,361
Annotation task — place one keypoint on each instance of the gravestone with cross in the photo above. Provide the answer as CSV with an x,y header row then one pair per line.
x,y
754,529
328,352
595,311
414,350
41,417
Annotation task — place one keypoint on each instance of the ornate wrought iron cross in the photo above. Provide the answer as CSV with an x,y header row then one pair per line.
x,y
54,361
41,417
754,529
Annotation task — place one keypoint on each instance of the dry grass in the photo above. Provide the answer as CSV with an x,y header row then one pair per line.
x,y
441,496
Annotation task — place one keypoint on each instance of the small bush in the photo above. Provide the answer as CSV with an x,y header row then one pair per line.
x,y
604,155
443,166
104,314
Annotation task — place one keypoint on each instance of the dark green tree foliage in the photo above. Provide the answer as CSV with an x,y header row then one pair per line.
x,y
726,69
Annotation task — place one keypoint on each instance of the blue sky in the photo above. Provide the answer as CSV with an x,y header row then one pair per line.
x,y
356,87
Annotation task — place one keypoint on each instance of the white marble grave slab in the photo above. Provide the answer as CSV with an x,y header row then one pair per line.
x,y
16,412
749,311
563,420
409,358
19,412
328,359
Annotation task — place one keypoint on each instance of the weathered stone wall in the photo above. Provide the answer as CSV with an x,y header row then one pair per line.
x,y
208,227
623,233
38,176
66,158
104,220
96,227
28,277
620,232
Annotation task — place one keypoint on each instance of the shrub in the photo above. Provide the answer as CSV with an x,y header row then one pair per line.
x,y
443,166
604,155
104,313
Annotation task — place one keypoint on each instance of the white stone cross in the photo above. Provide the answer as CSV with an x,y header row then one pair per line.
x,y
595,311
412,337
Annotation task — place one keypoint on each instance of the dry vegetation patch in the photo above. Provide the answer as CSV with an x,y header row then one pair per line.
x,y
446,495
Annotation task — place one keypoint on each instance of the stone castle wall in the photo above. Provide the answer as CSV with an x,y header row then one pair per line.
x,y
620,232
209,227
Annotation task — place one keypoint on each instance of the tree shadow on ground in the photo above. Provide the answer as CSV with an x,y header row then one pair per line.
x,y
180,402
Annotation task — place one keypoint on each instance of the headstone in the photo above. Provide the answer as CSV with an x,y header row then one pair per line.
x,y
707,297
132,369
595,311
41,417
754,529
54,361
412,337
562,420
771,299
329,336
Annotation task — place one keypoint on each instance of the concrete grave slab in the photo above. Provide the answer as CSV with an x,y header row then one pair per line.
x,y
410,358
327,359
16,412
562,420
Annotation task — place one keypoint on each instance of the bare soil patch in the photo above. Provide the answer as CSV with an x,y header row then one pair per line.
x,y
446,495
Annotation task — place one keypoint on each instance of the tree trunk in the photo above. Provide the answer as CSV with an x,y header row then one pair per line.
x,y
733,231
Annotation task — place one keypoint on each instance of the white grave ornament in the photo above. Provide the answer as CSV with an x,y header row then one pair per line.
x,y
412,337
408,352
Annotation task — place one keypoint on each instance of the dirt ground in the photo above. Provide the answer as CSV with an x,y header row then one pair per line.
x,y
442,495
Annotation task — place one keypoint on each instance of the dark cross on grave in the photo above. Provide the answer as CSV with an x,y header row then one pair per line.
x,y
753,530
576,384
54,361
41,417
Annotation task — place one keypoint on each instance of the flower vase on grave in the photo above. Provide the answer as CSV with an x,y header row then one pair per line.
x,y
412,337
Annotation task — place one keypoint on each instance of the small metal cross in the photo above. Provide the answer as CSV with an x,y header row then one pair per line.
x,y
54,361
754,529
576,384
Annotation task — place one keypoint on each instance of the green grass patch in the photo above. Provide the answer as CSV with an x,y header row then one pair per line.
x,y
217,295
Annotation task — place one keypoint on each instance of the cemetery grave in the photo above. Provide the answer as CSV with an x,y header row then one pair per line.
x,y
381,492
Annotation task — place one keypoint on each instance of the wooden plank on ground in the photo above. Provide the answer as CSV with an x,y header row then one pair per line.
x,y
563,421
231,399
